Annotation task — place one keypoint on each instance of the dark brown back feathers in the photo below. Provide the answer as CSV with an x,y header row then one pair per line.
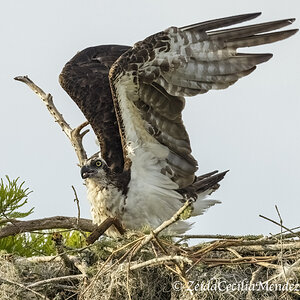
x,y
85,79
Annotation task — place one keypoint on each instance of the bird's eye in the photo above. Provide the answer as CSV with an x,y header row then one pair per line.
x,y
98,163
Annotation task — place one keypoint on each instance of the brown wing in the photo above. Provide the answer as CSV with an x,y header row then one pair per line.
x,y
85,79
150,80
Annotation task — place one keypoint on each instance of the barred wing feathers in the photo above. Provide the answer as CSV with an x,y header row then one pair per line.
x,y
149,83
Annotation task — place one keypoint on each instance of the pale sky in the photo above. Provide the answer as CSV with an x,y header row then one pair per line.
x,y
252,128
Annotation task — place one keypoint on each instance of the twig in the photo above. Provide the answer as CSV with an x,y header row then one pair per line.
x,y
163,226
268,265
179,270
121,259
281,241
127,277
218,236
265,248
205,250
100,229
294,228
238,237
160,260
233,251
74,135
153,249
76,140
39,259
289,230
77,203
72,296
24,287
161,247
46,223
175,248
99,272
155,232
212,262
55,280
102,270
288,235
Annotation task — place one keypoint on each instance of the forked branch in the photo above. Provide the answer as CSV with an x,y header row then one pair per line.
x,y
74,135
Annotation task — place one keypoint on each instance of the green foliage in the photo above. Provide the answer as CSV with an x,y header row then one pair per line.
x,y
74,239
12,197
28,244
35,244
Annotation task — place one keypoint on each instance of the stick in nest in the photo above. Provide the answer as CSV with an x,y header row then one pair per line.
x,y
56,280
103,227
287,229
24,287
163,226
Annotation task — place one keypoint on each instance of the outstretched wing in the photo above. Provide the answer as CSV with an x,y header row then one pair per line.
x,y
150,80
85,79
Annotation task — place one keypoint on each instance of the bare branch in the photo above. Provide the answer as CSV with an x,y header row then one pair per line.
x,y
217,236
40,259
77,203
281,242
55,280
74,135
160,260
267,248
103,227
289,230
8,220
76,140
47,223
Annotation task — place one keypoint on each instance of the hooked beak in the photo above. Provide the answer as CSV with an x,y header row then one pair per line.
x,y
87,172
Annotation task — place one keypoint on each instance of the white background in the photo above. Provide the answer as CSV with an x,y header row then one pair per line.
x,y
252,128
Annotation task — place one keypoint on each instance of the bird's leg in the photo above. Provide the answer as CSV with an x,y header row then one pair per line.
x,y
103,227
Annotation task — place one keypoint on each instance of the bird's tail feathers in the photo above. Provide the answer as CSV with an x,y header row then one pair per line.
x,y
203,186
200,206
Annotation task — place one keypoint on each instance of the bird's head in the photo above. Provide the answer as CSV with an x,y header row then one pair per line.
x,y
95,167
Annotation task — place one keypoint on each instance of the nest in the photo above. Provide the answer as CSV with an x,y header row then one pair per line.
x,y
128,268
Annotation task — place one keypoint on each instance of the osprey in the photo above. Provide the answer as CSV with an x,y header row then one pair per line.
x,y
133,98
